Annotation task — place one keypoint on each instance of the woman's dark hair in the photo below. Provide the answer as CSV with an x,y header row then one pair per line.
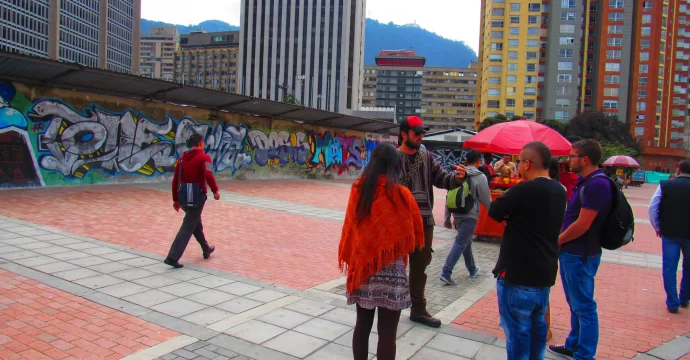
x,y
555,169
385,161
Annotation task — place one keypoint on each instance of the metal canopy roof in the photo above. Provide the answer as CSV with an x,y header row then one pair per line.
x,y
51,73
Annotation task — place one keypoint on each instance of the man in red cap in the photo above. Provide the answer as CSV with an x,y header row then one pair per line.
x,y
420,173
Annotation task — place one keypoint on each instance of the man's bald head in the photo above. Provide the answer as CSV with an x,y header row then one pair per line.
x,y
538,154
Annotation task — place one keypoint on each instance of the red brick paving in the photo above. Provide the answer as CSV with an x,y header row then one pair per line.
x,y
632,312
300,192
40,322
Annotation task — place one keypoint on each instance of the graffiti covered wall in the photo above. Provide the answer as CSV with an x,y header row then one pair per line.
x,y
51,137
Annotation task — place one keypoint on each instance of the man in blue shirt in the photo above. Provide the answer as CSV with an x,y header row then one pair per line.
x,y
667,213
581,250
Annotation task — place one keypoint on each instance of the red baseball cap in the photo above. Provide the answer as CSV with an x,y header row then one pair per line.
x,y
413,123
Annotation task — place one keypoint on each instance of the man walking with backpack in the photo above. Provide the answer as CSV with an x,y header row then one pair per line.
x,y
667,213
580,253
466,217
193,172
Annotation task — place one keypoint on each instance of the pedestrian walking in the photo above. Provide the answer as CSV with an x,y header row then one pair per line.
x,y
193,172
420,173
466,223
382,226
528,259
580,253
667,213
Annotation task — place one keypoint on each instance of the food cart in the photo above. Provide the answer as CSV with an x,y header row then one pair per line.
x,y
509,138
638,178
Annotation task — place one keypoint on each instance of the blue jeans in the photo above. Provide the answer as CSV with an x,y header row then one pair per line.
x,y
462,246
523,318
578,285
671,250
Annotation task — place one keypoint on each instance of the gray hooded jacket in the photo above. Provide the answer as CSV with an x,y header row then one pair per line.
x,y
479,188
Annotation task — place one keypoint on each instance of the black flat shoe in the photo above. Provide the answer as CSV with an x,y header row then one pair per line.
x,y
427,320
208,253
174,264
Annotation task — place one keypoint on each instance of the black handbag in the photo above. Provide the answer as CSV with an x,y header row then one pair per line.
x,y
189,195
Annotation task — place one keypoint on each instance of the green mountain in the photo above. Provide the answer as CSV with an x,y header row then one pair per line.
x,y
439,51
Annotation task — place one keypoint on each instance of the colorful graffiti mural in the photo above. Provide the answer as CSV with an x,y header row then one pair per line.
x,y
51,138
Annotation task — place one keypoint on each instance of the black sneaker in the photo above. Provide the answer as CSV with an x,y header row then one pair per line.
x,y
211,249
673,311
426,319
174,264
562,351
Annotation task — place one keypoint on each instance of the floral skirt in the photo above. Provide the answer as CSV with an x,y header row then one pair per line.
x,y
388,288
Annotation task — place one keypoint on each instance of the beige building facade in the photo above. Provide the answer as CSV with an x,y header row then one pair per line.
x,y
208,60
157,51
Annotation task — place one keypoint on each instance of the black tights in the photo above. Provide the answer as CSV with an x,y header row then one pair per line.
x,y
387,326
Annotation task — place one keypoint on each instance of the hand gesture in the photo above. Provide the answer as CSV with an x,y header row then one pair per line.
x,y
216,196
176,206
460,171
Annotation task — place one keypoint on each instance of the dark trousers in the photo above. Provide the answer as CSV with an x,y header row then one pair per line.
x,y
419,260
387,326
191,225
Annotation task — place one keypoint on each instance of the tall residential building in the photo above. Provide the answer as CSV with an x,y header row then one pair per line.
x,y
313,49
659,82
96,33
208,60
443,97
158,52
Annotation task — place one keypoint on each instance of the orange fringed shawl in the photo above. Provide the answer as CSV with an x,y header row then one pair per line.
x,y
392,230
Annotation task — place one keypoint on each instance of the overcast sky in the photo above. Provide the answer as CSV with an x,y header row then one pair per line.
x,y
453,19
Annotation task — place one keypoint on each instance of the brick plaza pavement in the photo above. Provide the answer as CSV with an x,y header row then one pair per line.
x,y
272,290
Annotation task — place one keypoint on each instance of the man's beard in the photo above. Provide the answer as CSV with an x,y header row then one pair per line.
x,y
411,144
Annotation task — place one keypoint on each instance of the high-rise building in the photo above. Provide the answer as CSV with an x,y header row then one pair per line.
x,y
208,60
659,82
443,97
158,52
313,50
96,33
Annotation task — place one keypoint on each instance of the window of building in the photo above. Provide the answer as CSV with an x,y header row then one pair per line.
x,y
565,65
495,81
496,46
611,91
642,81
497,23
613,67
616,16
530,91
615,29
534,7
639,118
566,40
510,102
641,106
513,43
645,44
616,4
493,104
497,34
613,54
497,12
511,79
513,55
647,5
610,104
565,78
644,68
568,4
612,79
564,90
567,15
533,19
531,55
532,43
567,29
533,32
494,92
611,41
646,31
646,18
565,53
562,115
515,19
641,94
562,102
531,67
510,90
512,67
514,31
530,79
529,103
495,69
515,7
644,56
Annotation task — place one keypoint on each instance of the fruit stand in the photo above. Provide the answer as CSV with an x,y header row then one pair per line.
x,y
486,226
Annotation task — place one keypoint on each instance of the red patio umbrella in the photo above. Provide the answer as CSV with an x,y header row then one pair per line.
x,y
510,137
622,161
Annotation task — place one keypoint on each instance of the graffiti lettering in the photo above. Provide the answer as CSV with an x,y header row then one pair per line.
x,y
281,146
337,152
